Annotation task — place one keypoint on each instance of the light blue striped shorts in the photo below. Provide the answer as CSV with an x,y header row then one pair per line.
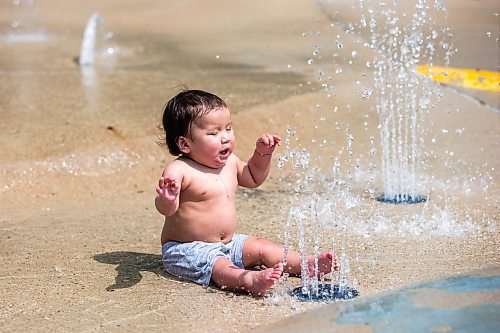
x,y
194,260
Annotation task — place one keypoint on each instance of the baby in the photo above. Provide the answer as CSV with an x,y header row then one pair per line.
x,y
197,192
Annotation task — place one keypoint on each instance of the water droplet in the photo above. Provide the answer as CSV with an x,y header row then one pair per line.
x,y
310,61
108,35
424,102
316,50
367,93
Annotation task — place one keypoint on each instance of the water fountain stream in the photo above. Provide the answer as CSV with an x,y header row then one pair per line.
x,y
316,204
93,41
403,99
95,51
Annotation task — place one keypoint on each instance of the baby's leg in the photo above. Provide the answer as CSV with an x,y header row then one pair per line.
x,y
229,277
259,251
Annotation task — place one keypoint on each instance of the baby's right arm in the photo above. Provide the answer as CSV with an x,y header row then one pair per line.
x,y
167,200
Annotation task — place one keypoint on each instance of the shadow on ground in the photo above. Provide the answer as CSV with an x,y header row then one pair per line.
x,y
129,267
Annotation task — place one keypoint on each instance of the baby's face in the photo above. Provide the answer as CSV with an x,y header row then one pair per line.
x,y
212,138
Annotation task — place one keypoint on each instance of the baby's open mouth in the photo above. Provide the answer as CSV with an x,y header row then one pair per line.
x,y
224,152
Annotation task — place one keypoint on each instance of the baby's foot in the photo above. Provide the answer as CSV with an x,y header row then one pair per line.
x,y
261,281
325,260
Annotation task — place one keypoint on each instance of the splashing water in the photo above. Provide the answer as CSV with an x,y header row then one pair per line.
x,y
311,213
323,204
403,97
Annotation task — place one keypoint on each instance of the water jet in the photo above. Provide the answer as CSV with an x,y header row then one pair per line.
x,y
404,98
94,41
397,43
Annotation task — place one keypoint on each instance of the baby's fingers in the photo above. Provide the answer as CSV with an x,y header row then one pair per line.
x,y
266,140
262,141
277,140
165,181
174,186
168,183
271,140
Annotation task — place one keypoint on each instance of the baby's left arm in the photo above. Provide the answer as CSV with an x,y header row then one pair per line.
x,y
253,173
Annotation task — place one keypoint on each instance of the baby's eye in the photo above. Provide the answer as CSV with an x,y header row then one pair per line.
x,y
213,133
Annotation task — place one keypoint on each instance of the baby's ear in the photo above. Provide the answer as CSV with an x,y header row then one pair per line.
x,y
183,145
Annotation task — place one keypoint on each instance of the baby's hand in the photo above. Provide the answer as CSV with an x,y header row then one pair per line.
x,y
168,188
267,143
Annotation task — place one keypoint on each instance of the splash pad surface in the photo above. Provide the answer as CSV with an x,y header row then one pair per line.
x,y
79,231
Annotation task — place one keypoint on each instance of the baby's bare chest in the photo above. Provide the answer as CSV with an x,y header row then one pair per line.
x,y
210,187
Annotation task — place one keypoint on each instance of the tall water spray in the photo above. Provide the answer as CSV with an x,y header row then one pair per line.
x,y
403,97
324,204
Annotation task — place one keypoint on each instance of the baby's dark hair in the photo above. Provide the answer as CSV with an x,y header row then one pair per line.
x,y
182,110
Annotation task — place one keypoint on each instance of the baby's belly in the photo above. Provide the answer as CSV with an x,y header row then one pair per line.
x,y
212,228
